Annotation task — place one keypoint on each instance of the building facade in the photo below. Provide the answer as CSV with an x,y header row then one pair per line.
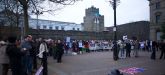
x,y
9,18
93,21
54,25
157,17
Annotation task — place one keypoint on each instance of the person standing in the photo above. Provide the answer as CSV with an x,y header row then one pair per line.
x,y
66,48
136,49
74,47
80,45
86,44
43,52
162,48
128,49
33,53
54,47
121,49
4,59
27,60
60,51
15,55
153,55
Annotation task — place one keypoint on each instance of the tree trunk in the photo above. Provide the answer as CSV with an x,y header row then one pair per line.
x,y
24,3
26,21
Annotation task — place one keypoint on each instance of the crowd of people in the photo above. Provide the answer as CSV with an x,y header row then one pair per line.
x,y
134,46
21,56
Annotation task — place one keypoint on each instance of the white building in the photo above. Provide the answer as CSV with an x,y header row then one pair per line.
x,y
54,25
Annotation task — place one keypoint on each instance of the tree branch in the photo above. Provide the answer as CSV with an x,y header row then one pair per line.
x,y
23,2
64,2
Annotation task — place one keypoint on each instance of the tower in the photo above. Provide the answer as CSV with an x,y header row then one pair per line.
x,y
93,21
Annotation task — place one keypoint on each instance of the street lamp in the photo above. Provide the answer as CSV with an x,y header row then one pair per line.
x,y
115,52
37,12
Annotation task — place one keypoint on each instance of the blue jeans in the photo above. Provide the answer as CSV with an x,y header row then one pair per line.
x,y
27,64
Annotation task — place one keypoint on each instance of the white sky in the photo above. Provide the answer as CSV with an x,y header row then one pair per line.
x,y
127,11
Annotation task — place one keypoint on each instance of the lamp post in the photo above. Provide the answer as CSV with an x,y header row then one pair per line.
x,y
115,51
37,12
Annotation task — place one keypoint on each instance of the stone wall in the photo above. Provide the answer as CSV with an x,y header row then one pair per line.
x,y
139,29
58,34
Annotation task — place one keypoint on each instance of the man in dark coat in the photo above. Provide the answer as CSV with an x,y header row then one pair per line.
x,y
60,51
15,54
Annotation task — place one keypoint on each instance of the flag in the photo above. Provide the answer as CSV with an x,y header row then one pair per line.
x,y
132,70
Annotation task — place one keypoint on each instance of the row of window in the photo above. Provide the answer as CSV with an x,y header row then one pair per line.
x,y
56,28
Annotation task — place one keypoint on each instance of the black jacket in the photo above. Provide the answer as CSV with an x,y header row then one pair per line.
x,y
15,55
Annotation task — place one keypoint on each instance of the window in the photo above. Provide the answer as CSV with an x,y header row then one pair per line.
x,y
158,5
73,29
44,27
50,28
38,27
62,28
78,29
158,35
56,27
157,18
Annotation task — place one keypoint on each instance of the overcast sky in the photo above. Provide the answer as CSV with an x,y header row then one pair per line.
x,y
127,11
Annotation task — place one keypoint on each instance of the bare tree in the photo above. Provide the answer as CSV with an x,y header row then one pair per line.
x,y
27,6
10,10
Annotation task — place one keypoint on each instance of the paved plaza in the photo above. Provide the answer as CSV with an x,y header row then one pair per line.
x,y
101,63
